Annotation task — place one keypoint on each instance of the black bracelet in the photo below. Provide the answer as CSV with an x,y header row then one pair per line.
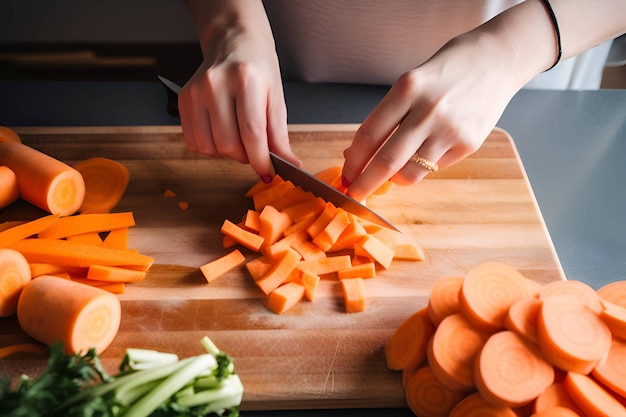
x,y
559,51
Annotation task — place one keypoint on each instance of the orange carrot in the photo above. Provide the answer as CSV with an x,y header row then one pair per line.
x,y
353,290
591,398
452,351
268,195
350,236
218,267
24,230
250,240
475,405
76,254
365,270
326,265
578,291
292,196
426,396
557,412
374,249
488,291
44,181
183,205
304,209
406,348
86,223
330,175
289,241
285,297
322,220
169,193
614,292
612,371
9,190
53,309
14,275
444,298
308,249
555,396
109,273
112,287
260,186
328,236
22,348
38,269
116,239
384,189
406,249
9,135
259,266
522,318
279,271
310,282
300,225
90,238
615,318
273,225
105,184
511,371
571,335
252,222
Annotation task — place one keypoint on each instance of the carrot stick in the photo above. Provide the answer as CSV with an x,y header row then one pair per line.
x,y
260,186
44,181
522,318
406,348
75,254
615,318
22,348
273,225
612,371
305,208
407,249
285,297
243,237
353,290
426,396
326,265
11,224
365,270
300,225
328,236
374,249
578,291
384,188
268,195
24,230
14,275
488,291
252,222
555,396
288,241
330,175
112,287
38,269
511,371
614,292
9,135
322,220
292,196
475,405
105,183
308,249
452,351
279,271
259,266
89,238
571,335
444,298
310,282
591,398
218,267
116,239
86,223
349,237
9,190
109,273
53,309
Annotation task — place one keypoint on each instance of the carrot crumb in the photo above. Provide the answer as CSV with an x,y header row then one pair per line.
x,y
183,205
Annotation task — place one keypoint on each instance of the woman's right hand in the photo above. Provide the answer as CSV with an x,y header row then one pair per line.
x,y
233,106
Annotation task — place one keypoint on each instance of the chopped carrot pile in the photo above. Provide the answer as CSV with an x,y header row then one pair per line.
x,y
492,342
302,239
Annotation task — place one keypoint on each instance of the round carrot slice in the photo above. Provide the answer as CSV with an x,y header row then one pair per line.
x,y
452,351
557,412
444,298
105,183
522,318
475,405
591,398
578,291
510,371
555,396
614,292
615,317
571,335
488,291
426,396
406,348
612,371
14,275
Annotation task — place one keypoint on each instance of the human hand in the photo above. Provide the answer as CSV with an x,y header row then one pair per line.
x,y
233,106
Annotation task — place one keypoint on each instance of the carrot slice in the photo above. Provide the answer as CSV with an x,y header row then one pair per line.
x,y
310,282
24,230
330,175
376,250
364,270
406,348
426,396
260,186
105,184
53,309
218,267
90,238
305,208
591,398
353,290
578,291
488,291
407,249
522,318
350,236
14,275
452,351
292,196
43,180
86,223
444,298
285,297
109,273
510,371
22,348
615,318
326,265
555,396
308,249
250,240
328,236
252,222
571,335
475,405
273,225
259,266
9,190
116,239
289,241
557,412
9,135
322,220
279,271
268,195
612,371
614,292
76,254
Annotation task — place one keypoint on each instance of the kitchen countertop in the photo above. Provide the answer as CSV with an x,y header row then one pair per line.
x,y
572,145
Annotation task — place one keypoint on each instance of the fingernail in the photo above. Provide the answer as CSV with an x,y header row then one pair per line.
x,y
345,182
266,178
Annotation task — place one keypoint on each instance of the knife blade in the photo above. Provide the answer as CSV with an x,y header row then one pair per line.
x,y
302,178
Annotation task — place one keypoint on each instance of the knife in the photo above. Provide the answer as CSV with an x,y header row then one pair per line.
x,y
296,175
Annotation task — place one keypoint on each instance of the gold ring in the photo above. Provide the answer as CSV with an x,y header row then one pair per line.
x,y
424,163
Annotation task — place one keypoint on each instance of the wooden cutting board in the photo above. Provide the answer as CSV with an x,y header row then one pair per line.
x,y
315,355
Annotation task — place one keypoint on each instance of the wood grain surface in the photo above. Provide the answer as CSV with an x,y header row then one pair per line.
x,y
315,355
